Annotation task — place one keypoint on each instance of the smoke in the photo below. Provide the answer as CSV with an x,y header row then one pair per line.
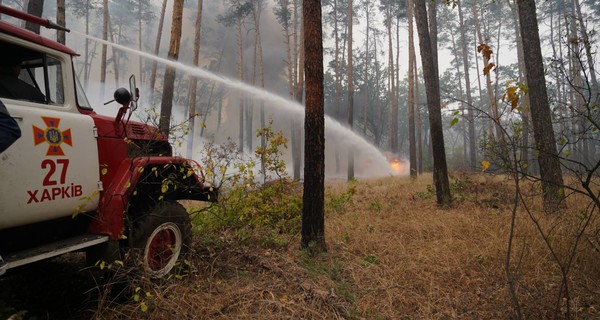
x,y
219,52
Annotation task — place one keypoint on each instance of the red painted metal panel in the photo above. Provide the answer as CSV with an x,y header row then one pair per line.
x,y
34,37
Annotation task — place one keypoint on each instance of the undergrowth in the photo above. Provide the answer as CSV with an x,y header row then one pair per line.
x,y
256,195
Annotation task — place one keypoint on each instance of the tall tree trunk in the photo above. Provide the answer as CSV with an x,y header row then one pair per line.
x,y
104,48
432,87
552,181
261,71
60,20
525,113
115,56
36,8
140,40
240,49
157,47
194,81
350,92
290,42
256,11
592,97
169,79
397,72
379,125
298,83
470,116
366,70
338,79
461,94
433,31
494,122
299,97
419,124
588,51
411,92
211,102
313,199
87,63
393,122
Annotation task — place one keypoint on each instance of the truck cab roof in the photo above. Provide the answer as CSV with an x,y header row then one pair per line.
x,y
27,35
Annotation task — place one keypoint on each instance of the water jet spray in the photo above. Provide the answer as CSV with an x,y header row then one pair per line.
x,y
376,159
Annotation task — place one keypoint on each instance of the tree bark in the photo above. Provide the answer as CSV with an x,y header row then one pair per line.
x,y
393,121
432,87
297,148
169,79
494,122
470,116
298,84
588,51
366,69
433,31
140,40
350,92
60,20
412,143
86,68
338,78
257,8
550,171
313,208
157,47
419,124
104,47
36,8
194,81
240,49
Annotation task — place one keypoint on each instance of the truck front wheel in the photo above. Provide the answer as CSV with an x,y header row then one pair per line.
x,y
160,238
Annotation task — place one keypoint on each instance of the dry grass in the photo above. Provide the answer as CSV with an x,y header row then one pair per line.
x,y
393,254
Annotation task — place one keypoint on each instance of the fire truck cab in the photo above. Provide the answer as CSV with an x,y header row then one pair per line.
x,y
80,181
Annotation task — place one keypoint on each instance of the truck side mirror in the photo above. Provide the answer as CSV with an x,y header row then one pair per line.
x,y
134,91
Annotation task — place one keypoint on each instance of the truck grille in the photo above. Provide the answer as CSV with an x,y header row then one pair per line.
x,y
138,129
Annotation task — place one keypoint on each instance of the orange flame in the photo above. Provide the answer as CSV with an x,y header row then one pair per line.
x,y
397,166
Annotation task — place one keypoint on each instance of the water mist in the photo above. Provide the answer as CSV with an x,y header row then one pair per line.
x,y
370,161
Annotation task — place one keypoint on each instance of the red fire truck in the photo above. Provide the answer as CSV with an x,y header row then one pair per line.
x,y
80,181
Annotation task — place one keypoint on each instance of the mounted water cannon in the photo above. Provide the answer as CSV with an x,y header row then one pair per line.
x,y
31,18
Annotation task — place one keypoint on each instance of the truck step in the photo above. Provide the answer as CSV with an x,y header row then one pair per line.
x,y
50,250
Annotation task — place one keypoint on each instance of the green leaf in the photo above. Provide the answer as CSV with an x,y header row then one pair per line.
x,y
454,122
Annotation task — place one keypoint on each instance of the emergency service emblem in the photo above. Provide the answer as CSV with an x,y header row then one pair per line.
x,y
53,136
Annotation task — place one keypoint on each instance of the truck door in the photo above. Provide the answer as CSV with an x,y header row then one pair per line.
x,y
52,170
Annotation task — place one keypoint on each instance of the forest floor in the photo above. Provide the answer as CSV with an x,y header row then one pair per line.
x,y
392,254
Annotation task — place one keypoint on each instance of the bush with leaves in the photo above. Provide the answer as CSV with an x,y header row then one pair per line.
x,y
245,203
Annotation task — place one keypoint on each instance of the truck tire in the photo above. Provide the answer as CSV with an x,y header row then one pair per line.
x,y
160,238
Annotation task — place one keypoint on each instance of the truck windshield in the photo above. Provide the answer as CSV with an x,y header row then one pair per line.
x,y
82,100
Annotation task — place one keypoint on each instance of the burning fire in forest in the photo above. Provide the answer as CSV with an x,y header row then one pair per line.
x,y
397,165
